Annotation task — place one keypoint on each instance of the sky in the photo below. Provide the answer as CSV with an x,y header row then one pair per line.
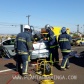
x,y
62,13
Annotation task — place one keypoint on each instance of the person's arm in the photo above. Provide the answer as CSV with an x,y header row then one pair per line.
x,y
29,43
52,41
70,38
32,38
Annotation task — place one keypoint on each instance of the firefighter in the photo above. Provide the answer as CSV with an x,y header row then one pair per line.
x,y
23,48
53,44
64,42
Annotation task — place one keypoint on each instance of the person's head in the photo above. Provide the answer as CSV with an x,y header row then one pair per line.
x,y
63,30
27,28
47,27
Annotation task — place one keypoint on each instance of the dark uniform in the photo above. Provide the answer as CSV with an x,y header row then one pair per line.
x,y
64,42
53,46
23,47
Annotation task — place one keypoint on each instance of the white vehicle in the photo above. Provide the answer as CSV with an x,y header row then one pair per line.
x,y
7,49
40,50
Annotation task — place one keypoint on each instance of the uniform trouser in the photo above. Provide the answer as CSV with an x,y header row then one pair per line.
x,y
55,54
22,59
65,61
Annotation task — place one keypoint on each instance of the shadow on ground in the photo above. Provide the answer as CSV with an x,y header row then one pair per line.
x,y
10,66
57,66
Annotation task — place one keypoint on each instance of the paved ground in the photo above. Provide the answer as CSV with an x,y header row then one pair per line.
x,y
74,75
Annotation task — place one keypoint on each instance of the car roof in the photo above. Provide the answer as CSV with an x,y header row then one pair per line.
x,y
7,39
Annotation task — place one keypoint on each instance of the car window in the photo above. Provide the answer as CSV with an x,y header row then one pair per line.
x,y
6,42
12,41
9,42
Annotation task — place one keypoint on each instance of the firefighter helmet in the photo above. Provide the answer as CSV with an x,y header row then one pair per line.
x,y
27,27
63,30
47,26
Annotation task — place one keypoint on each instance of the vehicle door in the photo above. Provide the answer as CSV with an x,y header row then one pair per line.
x,y
8,45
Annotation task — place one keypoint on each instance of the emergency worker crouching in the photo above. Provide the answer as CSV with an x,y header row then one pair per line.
x,y
53,44
23,48
64,42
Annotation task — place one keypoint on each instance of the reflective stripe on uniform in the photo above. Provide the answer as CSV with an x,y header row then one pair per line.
x,y
29,58
26,67
24,73
51,59
21,39
22,52
64,63
65,50
63,39
53,46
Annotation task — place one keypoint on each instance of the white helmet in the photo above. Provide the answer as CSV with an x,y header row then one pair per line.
x,y
26,27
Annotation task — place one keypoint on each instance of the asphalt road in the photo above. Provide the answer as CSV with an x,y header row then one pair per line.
x,y
74,75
